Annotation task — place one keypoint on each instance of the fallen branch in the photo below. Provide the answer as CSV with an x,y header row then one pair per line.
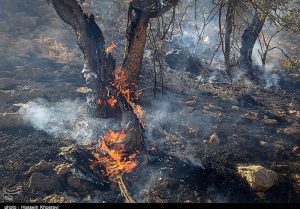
x,y
123,190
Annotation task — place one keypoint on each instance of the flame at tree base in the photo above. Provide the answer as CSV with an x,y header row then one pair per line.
x,y
111,151
112,154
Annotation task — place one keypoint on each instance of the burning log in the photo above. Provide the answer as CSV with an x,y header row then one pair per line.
x,y
80,157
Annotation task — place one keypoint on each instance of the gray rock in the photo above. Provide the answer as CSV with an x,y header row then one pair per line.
x,y
41,183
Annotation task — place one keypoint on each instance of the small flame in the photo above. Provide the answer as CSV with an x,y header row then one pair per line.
x,y
112,101
110,49
120,83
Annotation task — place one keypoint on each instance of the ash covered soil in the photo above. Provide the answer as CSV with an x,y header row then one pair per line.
x,y
197,134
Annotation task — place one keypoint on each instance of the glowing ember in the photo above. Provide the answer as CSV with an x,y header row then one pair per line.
x,y
112,101
110,49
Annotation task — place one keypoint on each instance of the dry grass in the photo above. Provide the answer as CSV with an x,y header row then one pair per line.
x,y
55,50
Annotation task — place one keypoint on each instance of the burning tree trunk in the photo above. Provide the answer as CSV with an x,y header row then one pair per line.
x,y
249,38
117,151
98,65
139,14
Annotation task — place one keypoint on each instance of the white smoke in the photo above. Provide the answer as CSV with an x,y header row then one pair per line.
x,y
167,115
66,119
271,79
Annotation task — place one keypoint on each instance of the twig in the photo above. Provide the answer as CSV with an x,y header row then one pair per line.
x,y
123,189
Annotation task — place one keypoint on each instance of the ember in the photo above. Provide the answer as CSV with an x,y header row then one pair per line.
x,y
112,101
110,49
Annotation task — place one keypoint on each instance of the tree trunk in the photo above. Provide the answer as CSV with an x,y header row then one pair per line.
x,y
249,38
136,35
98,65
228,32
139,14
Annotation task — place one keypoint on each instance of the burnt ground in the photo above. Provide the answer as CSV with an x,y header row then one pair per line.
x,y
256,125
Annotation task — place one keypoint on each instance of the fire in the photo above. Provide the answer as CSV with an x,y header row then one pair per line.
x,y
110,49
112,101
121,84
114,157
138,110
111,151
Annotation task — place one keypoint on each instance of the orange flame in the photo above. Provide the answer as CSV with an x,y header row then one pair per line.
x,y
110,49
114,160
112,101
120,83
111,151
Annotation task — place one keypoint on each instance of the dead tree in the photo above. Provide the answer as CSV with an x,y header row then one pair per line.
x,y
139,14
249,38
265,46
228,31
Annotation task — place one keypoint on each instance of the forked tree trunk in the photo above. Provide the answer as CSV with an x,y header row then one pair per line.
x,y
98,69
249,38
98,65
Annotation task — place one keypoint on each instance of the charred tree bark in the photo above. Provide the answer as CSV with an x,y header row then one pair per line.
x,y
98,65
228,32
139,14
249,38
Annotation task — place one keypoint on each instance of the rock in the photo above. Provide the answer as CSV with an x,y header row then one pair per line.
x,y
251,116
74,182
236,108
41,183
63,169
212,107
191,103
11,120
297,181
259,178
82,90
263,143
296,150
214,139
40,167
18,106
269,121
